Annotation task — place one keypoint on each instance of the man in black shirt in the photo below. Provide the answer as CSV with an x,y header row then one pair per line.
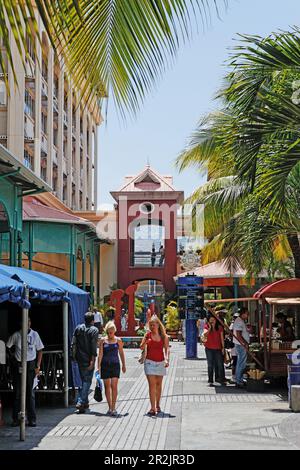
x,y
84,342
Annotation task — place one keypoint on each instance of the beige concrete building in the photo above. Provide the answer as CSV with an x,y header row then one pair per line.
x,y
45,125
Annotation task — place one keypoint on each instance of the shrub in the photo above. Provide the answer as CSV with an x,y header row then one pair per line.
x,y
172,317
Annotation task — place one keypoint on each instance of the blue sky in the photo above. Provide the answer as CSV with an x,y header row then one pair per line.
x,y
185,93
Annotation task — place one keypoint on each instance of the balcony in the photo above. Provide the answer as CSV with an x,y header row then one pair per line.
x,y
55,104
44,144
30,73
28,128
65,118
145,259
44,90
54,154
64,165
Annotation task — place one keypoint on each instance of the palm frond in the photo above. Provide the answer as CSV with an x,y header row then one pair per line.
x,y
118,47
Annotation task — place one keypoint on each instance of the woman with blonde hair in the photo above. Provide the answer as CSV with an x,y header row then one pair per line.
x,y
157,360
110,348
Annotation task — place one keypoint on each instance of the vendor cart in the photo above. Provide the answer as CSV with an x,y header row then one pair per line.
x,y
280,296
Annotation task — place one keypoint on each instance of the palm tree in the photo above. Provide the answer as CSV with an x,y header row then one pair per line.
x,y
117,46
239,148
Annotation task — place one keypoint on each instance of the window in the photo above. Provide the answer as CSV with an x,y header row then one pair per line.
x,y
28,160
146,207
44,123
29,104
44,70
30,47
3,96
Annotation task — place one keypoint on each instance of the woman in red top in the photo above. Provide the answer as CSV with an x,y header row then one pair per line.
x,y
156,362
213,339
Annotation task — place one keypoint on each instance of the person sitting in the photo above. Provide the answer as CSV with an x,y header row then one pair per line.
x,y
285,329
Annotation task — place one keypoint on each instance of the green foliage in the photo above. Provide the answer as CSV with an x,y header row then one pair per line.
x,y
118,47
138,307
251,150
172,317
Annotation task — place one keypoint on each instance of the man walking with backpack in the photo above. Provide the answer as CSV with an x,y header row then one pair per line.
x,y
84,351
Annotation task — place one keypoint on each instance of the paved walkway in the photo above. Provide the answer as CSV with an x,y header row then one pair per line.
x,y
195,416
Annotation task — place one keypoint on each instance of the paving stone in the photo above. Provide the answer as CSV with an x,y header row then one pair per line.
x,y
195,416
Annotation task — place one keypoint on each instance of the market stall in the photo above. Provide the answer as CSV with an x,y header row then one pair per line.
x,y
57,308
279,324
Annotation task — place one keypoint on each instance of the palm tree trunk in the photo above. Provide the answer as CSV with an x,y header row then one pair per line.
x,y
295,247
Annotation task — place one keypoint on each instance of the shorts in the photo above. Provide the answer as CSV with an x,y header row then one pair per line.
x,y
110,371
155,368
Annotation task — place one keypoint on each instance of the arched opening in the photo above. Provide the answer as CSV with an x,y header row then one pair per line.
x,y
147,243
151,294
4,236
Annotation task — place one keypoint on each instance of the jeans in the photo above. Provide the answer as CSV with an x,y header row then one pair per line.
x,y
83,392
30,394
215,365
241,353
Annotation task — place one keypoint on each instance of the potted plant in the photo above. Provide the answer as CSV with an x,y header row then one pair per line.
x,y
172,320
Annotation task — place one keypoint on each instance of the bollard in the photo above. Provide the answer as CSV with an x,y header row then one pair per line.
x,y
295,398
1,415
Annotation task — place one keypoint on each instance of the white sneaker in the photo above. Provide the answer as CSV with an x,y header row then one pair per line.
x,y
114,413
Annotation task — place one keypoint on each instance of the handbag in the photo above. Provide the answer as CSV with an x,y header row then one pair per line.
x,y
98,393
143,355
228,343
227,359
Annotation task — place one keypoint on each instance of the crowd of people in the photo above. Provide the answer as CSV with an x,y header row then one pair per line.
x,y
96,346
157,355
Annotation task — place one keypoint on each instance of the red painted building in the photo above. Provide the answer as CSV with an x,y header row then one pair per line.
x,y
147,207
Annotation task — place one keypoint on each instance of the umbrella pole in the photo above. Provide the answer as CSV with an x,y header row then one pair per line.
x,y
24,367
66,355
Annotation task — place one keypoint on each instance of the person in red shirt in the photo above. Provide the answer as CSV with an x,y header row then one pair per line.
x,y
213,339
157,360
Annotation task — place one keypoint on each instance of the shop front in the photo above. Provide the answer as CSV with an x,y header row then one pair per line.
x,y
16,181
279,324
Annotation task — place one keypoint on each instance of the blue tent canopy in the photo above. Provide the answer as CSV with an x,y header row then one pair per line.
x,y
44,287
11,291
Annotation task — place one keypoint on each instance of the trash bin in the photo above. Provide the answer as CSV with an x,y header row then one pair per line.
x,y
293,378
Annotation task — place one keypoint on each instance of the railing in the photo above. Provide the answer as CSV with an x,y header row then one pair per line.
x,y
51,378
44,144
55,104
147,259
44,88
64,165
65,118
28,126
55,155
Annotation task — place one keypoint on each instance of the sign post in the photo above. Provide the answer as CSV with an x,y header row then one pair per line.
x,y
191,303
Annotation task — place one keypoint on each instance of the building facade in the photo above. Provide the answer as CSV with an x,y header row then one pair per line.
x,y
147,220
45,125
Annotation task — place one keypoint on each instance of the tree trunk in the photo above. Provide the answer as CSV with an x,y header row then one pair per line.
x,y
295,247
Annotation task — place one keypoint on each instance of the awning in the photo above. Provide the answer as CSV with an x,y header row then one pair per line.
x,y
285,288
11,291
219,269
12,168
47,288
285,301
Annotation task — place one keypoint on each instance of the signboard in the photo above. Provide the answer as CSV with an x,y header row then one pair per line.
x,y
191,308
190,297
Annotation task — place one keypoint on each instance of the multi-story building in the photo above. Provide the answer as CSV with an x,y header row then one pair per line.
x,y
47,127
